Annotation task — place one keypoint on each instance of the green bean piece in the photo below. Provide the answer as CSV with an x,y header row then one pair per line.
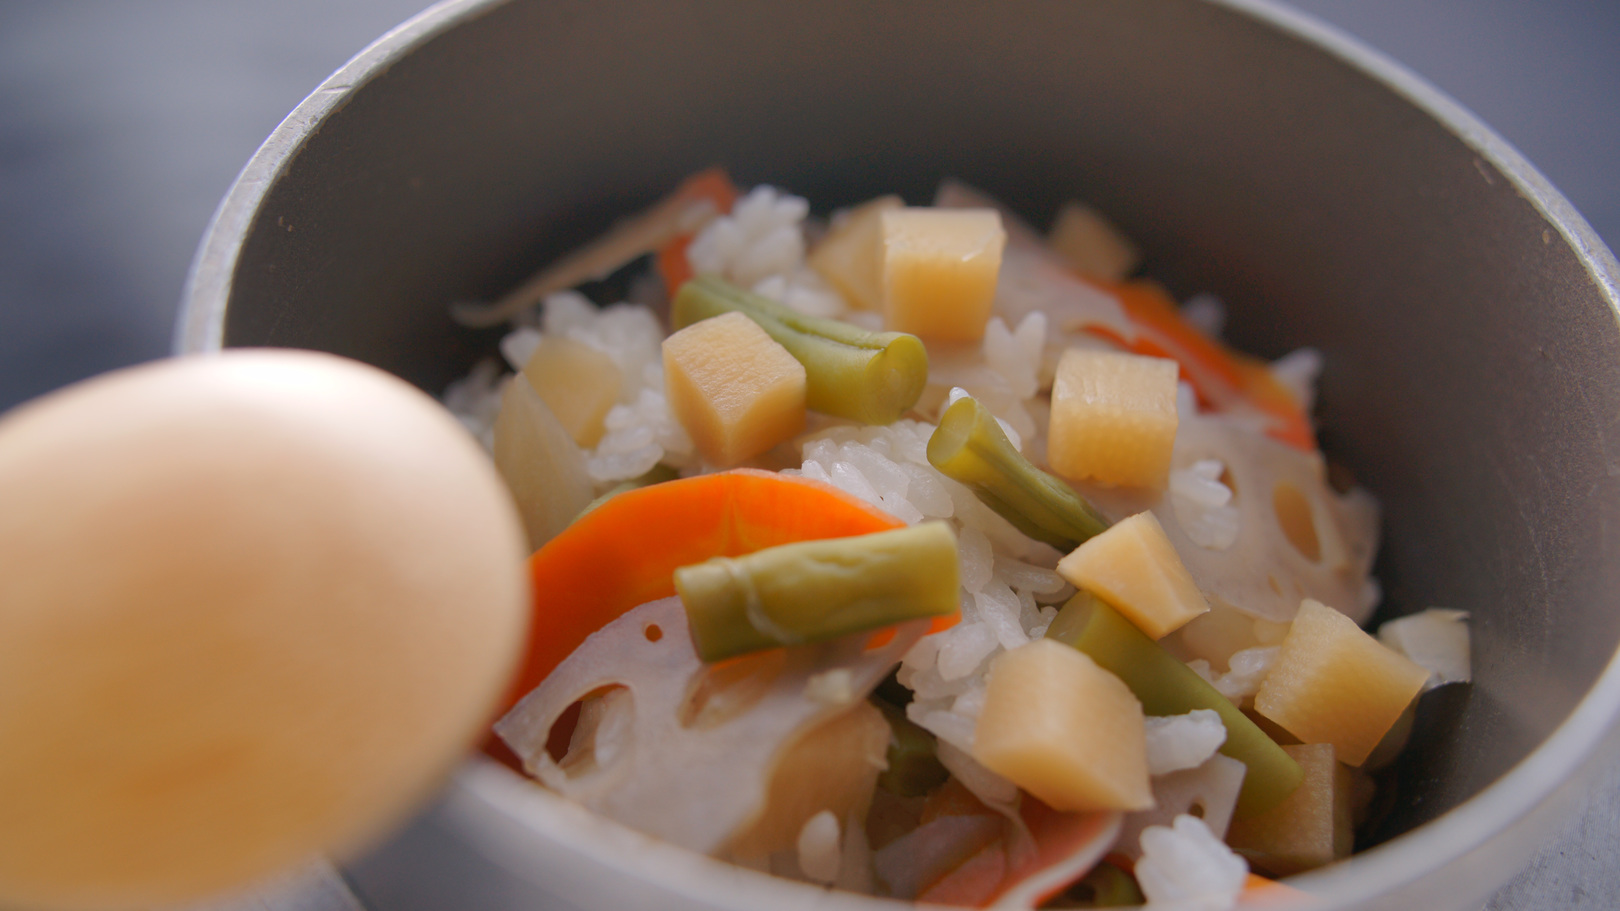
x,y
914,766
871,377
1165,686
1106,886
813,591
970,447
658,474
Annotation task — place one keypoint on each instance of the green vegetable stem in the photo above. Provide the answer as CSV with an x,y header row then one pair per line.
x,y
970,447
1167,687
658,474
871,377
1106,886
814,591
914,766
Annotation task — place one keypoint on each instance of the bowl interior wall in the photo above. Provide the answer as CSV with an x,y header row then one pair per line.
x,y
1473,369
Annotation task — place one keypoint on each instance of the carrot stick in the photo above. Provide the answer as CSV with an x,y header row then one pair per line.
x,y
624,552
973,883
672,264
712,185
1222,378
1259,892
1066,846
1208,365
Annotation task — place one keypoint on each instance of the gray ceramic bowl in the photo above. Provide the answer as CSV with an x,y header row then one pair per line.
x,y
1467,314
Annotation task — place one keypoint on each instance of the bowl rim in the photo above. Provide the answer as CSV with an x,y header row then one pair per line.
x,y
1478,835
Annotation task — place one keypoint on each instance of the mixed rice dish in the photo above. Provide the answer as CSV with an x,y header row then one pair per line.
x,y
915,553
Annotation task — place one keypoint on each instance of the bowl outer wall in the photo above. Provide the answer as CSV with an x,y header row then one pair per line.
x,y
1467,312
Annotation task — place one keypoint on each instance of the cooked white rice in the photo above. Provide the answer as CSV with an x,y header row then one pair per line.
x,y
1009,591
1184,866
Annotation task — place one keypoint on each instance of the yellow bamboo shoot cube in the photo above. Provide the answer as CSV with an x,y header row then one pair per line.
x,y
735,390
1313,826
1063,729
1113,418
1135,568
1091,245
1334,683
939,271
850,257
577,382
540,463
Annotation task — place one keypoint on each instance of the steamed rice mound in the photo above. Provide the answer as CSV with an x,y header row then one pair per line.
x,y
1244,552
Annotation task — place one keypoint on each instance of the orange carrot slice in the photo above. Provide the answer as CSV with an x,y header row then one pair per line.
x,y
1222,378
625,551
712,185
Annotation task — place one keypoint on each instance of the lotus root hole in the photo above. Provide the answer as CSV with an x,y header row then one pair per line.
x,y
1296,519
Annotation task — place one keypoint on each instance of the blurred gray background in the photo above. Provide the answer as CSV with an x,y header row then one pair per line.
x,y
123,123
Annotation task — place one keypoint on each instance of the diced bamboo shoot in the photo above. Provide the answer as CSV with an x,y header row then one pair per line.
x,y
1091,245
1312,827
734,389
1334,683
1113,418
1063,729
1134,567
578,383
939,271
540,463
850,257
1394,740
